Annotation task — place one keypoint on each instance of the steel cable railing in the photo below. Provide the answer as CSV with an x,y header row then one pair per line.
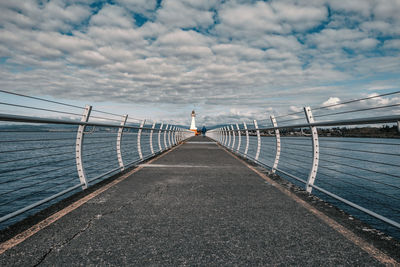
x,y
329,158
45,157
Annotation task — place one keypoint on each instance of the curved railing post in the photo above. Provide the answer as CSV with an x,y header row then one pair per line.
x,y
79,147
258,140
247,139
229,136
233,137
165,136
119,140
224,135
169,136
239,138
139,147
278,144
159,137
151,138
315,143
174,137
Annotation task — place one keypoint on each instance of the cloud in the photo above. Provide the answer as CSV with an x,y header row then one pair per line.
x,y
112,16
181,14
232,59
332,103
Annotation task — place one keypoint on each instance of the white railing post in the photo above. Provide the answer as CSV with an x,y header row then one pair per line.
x,y
247,139
278,144
173,136
315,143
233,138
79,147
119,140
239,138
229,136
165,136
169,136
225,136
151,138
159,137
139,147
258,140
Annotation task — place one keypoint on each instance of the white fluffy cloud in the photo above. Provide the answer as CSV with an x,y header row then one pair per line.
x,y
224,57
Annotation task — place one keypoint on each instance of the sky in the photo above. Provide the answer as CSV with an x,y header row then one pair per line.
x,y
228,60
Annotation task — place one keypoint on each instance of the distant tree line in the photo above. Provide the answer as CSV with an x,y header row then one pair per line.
x,y
376,132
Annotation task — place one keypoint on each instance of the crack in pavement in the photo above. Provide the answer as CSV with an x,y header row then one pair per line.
x,y
77,234
59,246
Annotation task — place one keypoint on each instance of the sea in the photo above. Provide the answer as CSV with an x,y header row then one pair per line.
x,y
36,164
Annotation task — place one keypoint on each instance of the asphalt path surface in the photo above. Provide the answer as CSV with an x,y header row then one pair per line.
x,y
197,205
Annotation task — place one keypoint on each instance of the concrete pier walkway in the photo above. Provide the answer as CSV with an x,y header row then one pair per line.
x,y
196,205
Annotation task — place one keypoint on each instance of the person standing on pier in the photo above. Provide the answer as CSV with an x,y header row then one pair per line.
x,y
203,131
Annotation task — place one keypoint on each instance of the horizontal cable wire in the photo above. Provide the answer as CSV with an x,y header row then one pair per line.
x,y
295,144
88,137
103,118
360,196
88,173
356,110
297,155
36,174
360,186
39,182
355,100
37,131
86,149
42,99
36,148
37,192
363,160
360,168
360,177
108,113
102,142
283,147
291,163
35,166
280,122
358,150
42,109
290,114
36,140
358,142
37,157
105,153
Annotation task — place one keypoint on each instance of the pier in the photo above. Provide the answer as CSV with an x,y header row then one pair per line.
x,y
197,204
102,188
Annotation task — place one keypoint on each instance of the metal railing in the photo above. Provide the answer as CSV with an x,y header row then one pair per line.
x,y
331,157
44,157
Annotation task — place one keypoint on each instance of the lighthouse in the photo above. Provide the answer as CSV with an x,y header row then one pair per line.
x,y
193,123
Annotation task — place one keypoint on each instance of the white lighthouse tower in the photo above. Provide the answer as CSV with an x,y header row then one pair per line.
x,y
193,123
